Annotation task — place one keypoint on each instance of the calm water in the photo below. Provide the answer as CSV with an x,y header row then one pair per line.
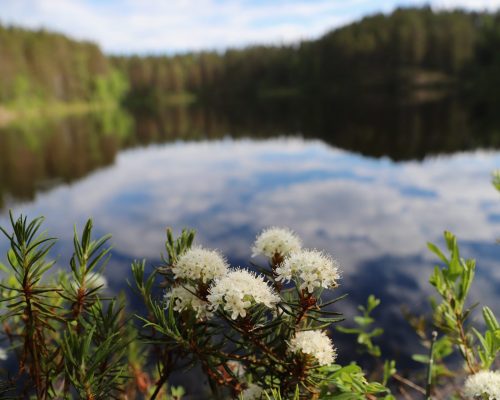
x,y
369,184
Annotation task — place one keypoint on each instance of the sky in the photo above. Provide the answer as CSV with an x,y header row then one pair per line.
x,y
176,26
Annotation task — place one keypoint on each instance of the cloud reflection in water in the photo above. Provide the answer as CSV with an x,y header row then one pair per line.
x,y
374,215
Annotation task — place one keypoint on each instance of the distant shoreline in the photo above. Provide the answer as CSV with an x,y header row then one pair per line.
x,y
53,109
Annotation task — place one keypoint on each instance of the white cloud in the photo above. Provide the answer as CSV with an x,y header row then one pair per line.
x,y
469,4
180,25
158,26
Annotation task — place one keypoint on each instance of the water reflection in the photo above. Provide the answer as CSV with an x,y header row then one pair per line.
x,y
374,215
37,155
199,168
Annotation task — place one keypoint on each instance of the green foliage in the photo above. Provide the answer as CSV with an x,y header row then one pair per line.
x,y
179,246
490,341
341,383
389,371
28,302
496,179
66,336
110,88
39,66
364,323
451,317
453,283
94,361
275,394
351,383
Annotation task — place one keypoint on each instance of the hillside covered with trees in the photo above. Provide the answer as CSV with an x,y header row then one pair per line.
x,y
412,47
407,49
37,67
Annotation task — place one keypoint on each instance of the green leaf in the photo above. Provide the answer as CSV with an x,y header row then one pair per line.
x,y
363,321
432,247
451,241
421,358
489,318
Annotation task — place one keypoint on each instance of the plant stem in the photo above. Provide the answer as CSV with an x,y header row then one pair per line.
x,y
463,340
409,383
30,340
428,386
275,262
159,384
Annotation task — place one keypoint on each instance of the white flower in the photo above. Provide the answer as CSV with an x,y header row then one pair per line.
x,y
252,392
236,368
93,280
199,263
316,344
484,383
239,290
274,240
3,354
314,269
185,298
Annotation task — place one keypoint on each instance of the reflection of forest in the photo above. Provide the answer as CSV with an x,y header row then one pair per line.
x,y
37,157
375,126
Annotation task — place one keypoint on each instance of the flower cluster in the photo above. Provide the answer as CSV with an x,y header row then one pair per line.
x,y
484,384
185,297
316,344
200,264
239,290
236,368
272,241
312,267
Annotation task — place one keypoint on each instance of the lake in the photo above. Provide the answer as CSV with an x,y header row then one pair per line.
x,y
371,182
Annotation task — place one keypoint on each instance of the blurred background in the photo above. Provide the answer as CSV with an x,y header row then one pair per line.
x,y
368,127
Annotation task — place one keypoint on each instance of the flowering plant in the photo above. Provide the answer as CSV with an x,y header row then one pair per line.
x,y
261,333
272,321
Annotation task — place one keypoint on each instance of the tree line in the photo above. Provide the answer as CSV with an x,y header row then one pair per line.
x,y
41,66
411,47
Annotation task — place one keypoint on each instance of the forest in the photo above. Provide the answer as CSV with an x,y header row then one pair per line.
x,y
408,49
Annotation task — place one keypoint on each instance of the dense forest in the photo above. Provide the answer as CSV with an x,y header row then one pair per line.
x,y
40,66
412,47
407,49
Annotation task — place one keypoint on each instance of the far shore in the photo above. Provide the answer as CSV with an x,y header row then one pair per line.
x,y
11,115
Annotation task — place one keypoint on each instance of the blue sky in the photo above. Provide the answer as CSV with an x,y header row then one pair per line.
x,y
171,26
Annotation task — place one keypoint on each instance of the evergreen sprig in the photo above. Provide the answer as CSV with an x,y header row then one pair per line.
x,y
69,339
